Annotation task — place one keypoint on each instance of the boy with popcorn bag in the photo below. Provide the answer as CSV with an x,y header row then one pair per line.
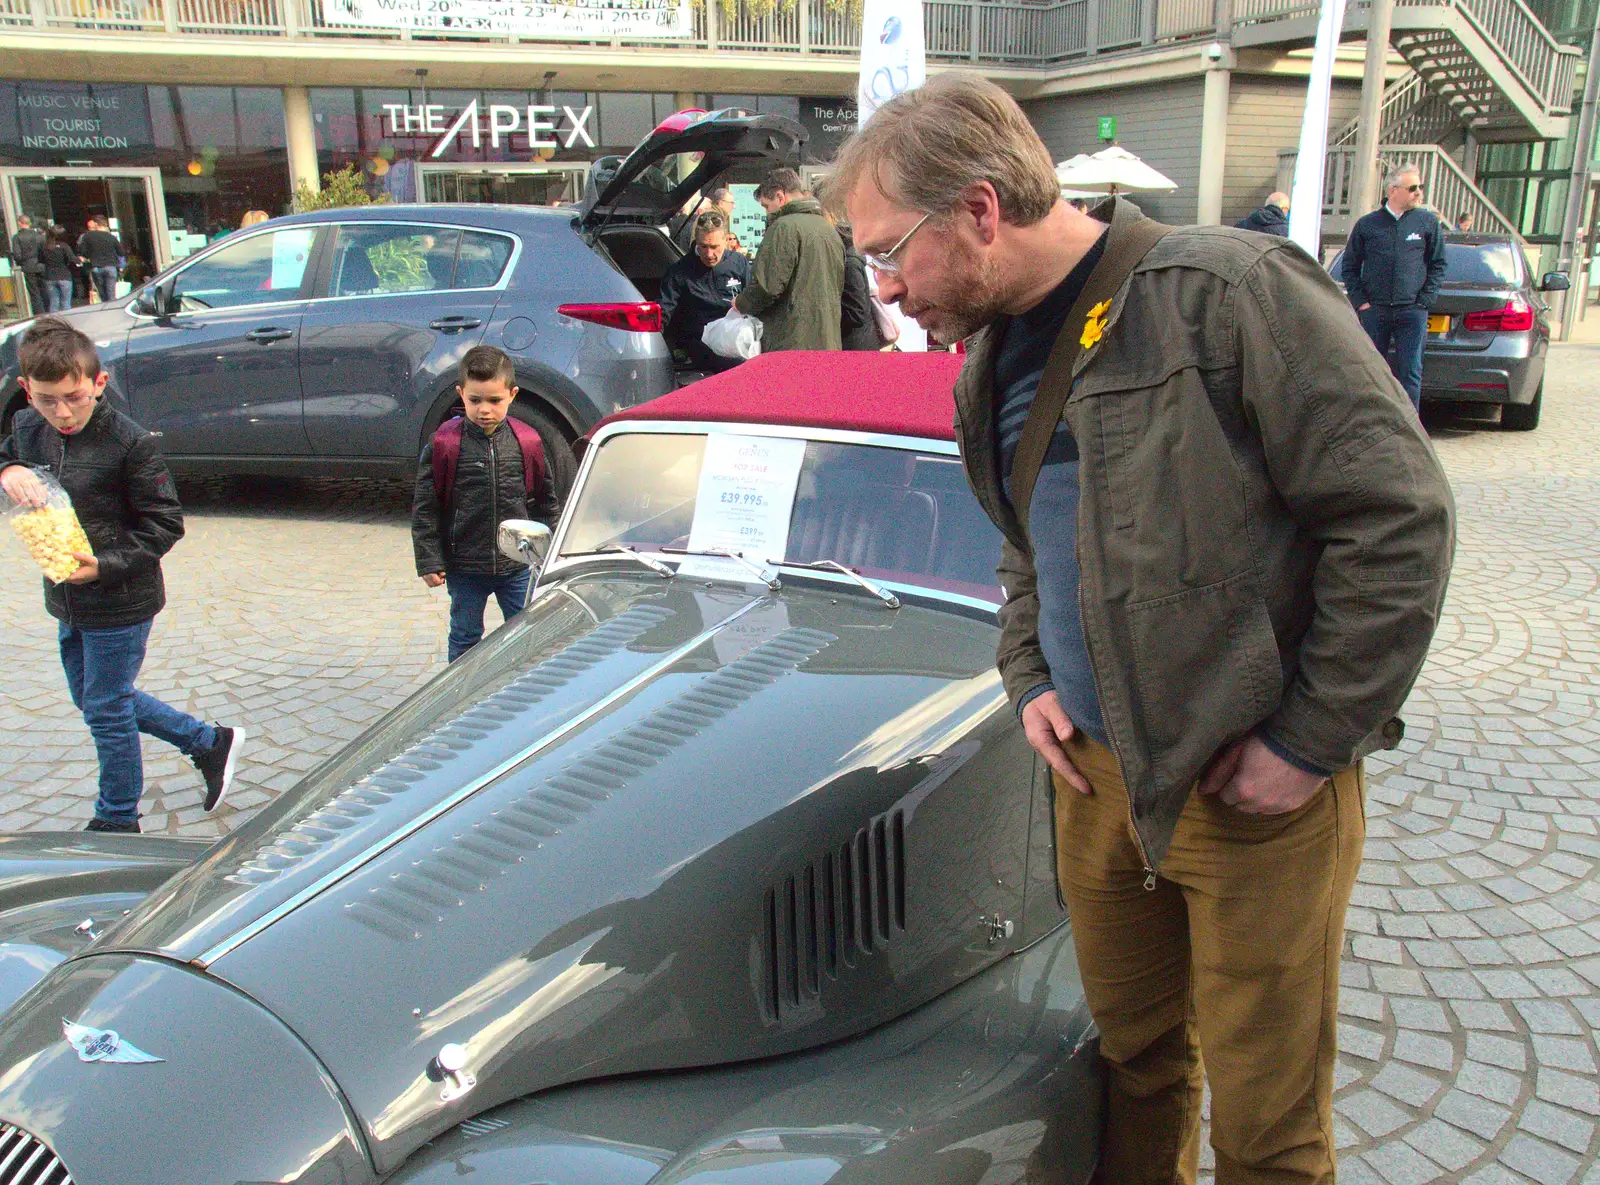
x,y
104,595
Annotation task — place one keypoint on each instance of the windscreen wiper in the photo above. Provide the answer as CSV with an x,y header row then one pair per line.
x,y
623,549
725,553
883,594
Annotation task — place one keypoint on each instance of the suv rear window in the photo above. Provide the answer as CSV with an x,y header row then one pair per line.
x,y
1481,263
481,260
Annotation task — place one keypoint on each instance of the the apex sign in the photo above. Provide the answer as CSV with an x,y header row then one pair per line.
x,y
541,129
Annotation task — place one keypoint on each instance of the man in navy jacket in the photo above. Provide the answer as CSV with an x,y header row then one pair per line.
x,y
1393,266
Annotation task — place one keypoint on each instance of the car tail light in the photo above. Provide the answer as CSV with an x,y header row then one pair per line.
x,y
640,317
1515,316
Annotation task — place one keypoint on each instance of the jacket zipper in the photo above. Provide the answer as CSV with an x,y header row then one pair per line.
x,y
494,505
1099,691
61,472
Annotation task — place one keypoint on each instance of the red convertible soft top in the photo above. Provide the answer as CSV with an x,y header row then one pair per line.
x,y
902,394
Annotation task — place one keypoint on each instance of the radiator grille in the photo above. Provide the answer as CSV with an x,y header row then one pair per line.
x,y
27,1160
840,909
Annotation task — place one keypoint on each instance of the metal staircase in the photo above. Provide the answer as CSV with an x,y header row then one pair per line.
x,y
1484,67
1412,114
1501,73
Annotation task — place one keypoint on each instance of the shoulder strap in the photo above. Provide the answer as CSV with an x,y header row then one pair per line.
x,y
533,467
1127,242
446,453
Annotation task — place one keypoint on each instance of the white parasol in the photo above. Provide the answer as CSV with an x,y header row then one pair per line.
x,y
1111,170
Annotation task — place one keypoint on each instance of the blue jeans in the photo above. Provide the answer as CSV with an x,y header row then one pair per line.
x,y
58,295
105,281
469,595
1406,328
101,665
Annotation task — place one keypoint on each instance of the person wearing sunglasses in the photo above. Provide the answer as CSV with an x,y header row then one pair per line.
x,y
1225,545
1392,268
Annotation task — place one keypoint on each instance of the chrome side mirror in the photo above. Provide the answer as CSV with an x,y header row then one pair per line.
x,y
524,540
528,542
1554,282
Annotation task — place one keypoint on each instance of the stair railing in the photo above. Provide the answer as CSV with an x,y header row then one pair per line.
x,y
1398,98
1448,190
1545,67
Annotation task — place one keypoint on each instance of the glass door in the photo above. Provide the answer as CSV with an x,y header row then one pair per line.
x,y
516,185
129,199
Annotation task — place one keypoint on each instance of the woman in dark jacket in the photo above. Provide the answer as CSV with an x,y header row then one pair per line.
x,y
60,269
858,329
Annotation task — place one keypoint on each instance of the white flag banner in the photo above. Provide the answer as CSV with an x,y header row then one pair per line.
x,y
1305,199
894,58
578,19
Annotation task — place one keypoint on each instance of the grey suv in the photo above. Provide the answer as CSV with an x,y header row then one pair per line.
x,y
328,343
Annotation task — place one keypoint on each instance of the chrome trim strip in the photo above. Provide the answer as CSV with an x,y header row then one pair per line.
x,y
444,805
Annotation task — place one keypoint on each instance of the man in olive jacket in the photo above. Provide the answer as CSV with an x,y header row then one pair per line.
x,y
797,279
1226,543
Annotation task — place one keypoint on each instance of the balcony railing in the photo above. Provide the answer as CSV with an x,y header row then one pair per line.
x,y
1003,31
957,30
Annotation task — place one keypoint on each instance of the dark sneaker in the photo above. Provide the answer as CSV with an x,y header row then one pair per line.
x,y
99,824
216,764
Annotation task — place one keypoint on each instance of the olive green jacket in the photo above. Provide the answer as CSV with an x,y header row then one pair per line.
x,y
1264,531
797,280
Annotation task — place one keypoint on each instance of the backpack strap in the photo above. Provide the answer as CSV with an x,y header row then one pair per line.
x,y
533,464
1127,242
446,454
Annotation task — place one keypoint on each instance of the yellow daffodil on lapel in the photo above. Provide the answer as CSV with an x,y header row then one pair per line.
x,y
1095,326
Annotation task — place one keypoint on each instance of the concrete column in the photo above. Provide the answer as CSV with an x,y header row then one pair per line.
x,y
1364,169
301,137
683,100
1213,142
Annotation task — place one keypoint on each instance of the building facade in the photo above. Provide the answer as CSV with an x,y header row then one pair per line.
x,y
176,117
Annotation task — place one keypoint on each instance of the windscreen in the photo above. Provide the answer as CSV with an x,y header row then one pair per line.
x,y
891,514
1490,264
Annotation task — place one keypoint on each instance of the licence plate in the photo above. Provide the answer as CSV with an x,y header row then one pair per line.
x,y
1438,324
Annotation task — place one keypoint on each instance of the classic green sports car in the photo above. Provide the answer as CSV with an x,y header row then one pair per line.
x,y
725,863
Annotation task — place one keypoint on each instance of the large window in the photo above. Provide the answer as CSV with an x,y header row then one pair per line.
x,y
260,269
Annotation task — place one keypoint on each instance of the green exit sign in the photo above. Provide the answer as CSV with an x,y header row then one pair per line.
x,y
1108,127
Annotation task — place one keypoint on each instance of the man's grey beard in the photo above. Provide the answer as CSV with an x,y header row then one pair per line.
x,y
978,305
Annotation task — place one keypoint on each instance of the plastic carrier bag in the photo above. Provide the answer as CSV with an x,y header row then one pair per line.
x,y
52,531
736,335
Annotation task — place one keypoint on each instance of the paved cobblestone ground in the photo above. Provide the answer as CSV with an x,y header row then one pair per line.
x,y
292,609
1471,997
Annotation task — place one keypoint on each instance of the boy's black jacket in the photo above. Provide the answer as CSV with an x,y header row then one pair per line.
x,y
478,506
124,496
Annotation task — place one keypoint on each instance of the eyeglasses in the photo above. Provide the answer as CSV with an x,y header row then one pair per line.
x,y
1411,188
49,403
886,264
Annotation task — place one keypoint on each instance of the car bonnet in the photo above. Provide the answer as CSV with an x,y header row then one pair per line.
x,y
549,876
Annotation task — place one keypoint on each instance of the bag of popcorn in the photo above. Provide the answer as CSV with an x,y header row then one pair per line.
x,y
52,531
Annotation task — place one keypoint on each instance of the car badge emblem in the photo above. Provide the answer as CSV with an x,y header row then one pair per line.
x,y
103,1045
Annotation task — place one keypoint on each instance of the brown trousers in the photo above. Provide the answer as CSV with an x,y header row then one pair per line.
x,y
1234,954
